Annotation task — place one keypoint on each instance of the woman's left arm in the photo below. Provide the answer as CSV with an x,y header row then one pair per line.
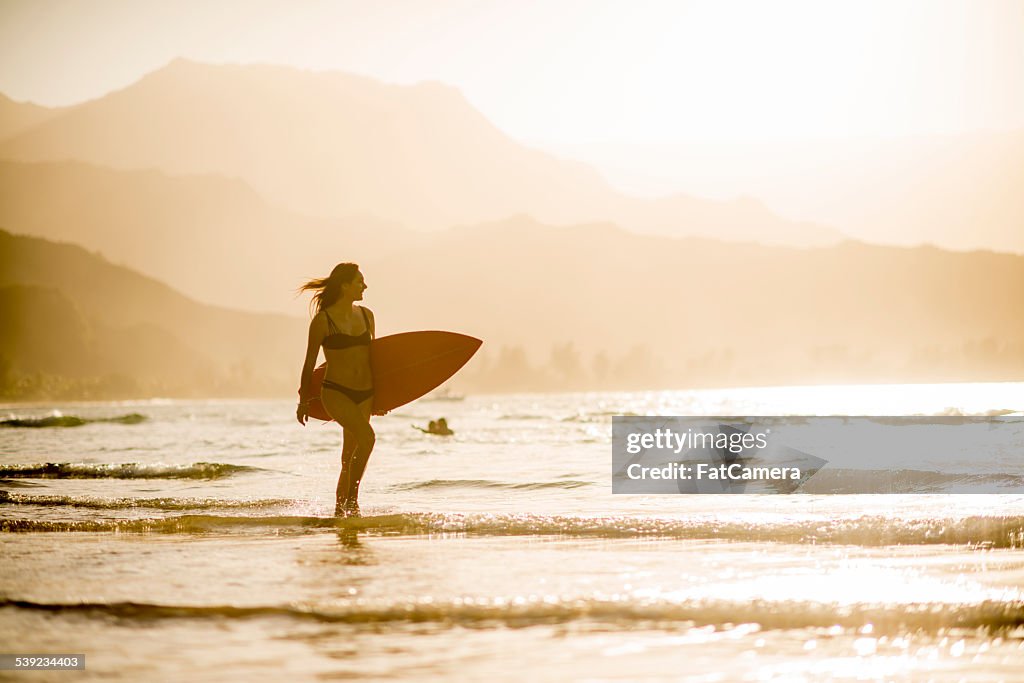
x,y
316,335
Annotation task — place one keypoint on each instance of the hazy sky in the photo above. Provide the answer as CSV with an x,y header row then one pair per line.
x,y
576,71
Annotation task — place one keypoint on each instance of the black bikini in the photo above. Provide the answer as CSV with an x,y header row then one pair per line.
x,y
339,340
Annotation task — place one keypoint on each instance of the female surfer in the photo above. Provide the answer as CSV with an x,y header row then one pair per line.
x,y
344,330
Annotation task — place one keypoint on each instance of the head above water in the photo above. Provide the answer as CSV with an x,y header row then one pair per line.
x,y
344,280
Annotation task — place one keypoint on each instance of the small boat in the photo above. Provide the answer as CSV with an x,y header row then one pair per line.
x,y
443,394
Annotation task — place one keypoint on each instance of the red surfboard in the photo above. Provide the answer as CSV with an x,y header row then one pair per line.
x,y
406,366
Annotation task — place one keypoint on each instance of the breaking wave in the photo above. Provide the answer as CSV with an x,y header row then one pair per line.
x,y
71,420
848,481
489,484
96,503
976,531
128,470
991,616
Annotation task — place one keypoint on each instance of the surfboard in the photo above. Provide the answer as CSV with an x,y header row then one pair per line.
x,y
407,366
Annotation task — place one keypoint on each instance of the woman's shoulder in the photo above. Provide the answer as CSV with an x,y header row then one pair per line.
x,y
319,318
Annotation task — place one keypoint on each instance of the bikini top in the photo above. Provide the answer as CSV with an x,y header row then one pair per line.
x,y
340,340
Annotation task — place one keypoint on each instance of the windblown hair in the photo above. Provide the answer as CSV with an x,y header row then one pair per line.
x,y
328,289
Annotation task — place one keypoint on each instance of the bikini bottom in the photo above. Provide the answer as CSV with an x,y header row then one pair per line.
x,y
357,396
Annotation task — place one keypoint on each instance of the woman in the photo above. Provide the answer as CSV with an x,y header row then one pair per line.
x,y
344,330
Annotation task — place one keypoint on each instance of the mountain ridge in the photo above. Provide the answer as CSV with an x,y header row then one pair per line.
x,y
334,144
635,312
127,305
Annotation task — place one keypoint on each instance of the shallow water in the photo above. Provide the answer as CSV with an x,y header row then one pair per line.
x,y
199,542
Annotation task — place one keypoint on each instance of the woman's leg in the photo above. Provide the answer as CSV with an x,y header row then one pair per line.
x,y
360,457
359,439
348,449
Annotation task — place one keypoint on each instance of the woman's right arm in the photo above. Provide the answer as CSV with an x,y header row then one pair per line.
x,y
317,330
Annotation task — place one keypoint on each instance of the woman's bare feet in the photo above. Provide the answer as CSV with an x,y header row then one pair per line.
x,y
346,508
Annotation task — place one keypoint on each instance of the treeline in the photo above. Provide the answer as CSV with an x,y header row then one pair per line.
x,y
566,368
51,349
237,381
74,326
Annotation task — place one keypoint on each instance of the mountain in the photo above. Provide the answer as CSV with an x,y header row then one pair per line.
x,y
212,238
69,313
713,313
16,117
956,191
335,144
591,306
46,344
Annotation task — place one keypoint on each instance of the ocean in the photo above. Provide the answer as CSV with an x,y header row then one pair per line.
x,y
169,539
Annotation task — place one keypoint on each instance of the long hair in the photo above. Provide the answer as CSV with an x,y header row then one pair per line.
x,y
328,289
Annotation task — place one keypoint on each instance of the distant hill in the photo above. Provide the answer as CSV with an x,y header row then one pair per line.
x,y
339,145
16,117
677,313
49,349
586,307
213,239
82,322
953,191
957,191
